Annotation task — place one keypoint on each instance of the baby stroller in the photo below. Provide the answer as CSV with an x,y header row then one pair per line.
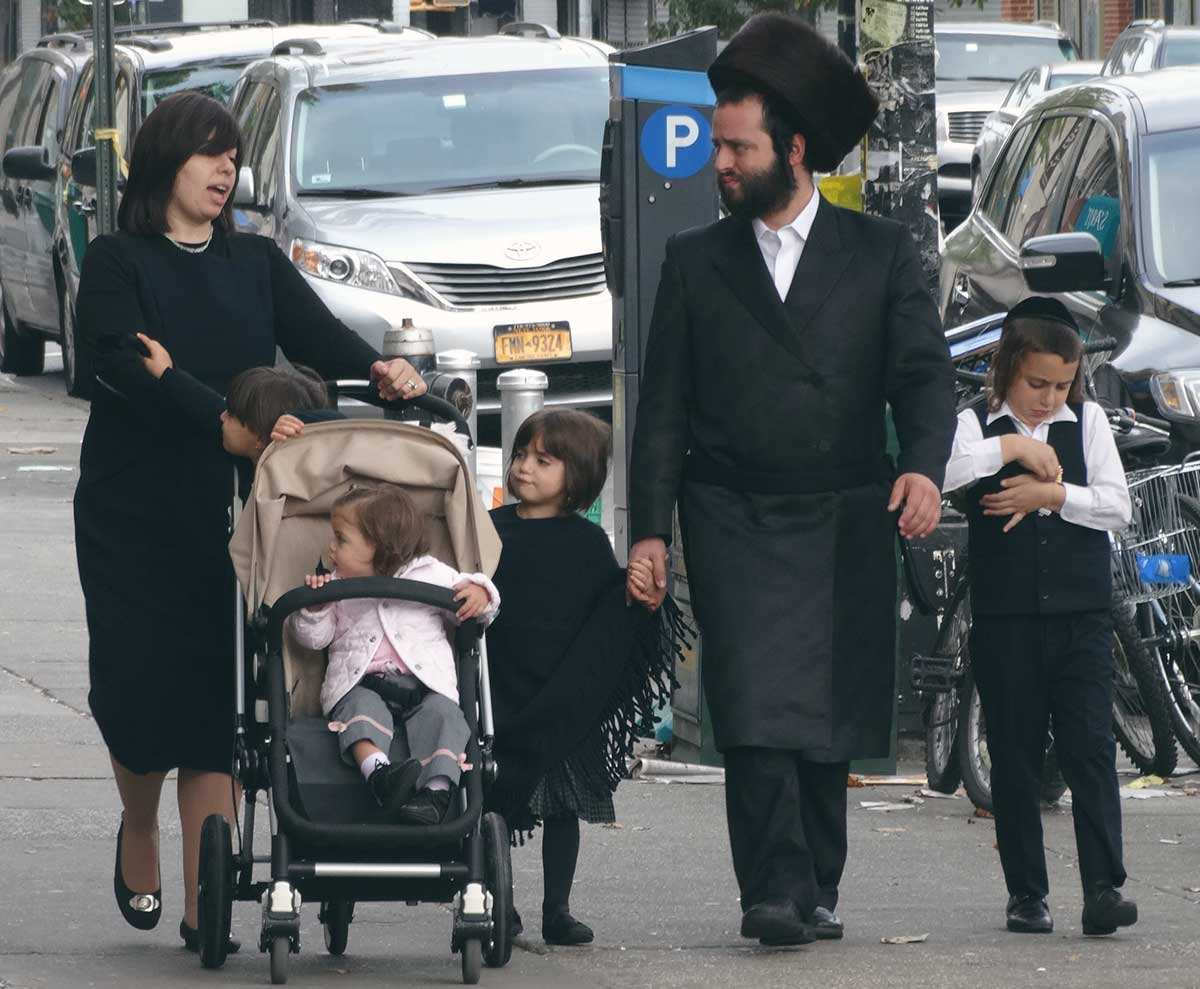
x,y
329,840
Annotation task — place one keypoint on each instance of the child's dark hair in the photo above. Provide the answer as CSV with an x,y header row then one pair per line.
x,y
580,441
390,521
1035,326
259,396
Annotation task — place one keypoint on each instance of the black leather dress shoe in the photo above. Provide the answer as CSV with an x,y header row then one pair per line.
x,y
1105,909
776,923
826,925
1029,915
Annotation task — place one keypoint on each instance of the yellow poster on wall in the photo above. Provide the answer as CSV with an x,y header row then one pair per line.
x,y
843,190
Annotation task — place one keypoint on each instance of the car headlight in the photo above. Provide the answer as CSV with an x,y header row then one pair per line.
x,y
358,269
943,128
1177,394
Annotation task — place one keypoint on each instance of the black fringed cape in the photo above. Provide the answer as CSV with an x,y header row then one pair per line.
x,y
576,673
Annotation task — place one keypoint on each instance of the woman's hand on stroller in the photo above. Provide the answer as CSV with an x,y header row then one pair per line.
x,y
286,427
157,359
474,600
397,379
640,585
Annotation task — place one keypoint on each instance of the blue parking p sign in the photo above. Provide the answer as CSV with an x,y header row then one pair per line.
x,y
676,141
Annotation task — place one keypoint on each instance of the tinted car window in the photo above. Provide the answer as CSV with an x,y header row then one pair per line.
x,y
87,119
1181,51
1060,81
1000,193
49,128
31,91
215,79
1093,203
1016,94
996,56
248,112
1043,177
1170,204
1143,60
265,153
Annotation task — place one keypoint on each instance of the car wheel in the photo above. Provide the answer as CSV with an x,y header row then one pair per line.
x,y
20,353
77,366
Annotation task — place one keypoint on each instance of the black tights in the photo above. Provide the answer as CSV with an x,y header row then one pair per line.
x,y
560,852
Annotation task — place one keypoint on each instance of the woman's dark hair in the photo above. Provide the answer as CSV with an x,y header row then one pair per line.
x,y
390,521
180,126
580,441
1031,335
776,122
259,396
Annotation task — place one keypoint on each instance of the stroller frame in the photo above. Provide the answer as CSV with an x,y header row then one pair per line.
x,y
309,860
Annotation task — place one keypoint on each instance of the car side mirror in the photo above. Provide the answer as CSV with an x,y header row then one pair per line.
x,y
32,164
1070,262
83,167
243,194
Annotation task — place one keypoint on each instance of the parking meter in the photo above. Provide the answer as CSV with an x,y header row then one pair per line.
x,y
656,179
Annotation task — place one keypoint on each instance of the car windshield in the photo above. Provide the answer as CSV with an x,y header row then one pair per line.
x,y
996,56
1181,51
414,136
215,79
1171,162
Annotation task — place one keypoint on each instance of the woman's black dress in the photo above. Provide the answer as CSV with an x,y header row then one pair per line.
x,y
151,507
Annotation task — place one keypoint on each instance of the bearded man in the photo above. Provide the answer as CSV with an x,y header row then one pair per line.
x,y
780,335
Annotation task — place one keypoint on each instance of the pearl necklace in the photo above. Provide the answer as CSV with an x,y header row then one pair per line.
x,y
191,250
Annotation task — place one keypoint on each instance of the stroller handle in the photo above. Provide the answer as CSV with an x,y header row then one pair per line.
x,y
416,591
439,408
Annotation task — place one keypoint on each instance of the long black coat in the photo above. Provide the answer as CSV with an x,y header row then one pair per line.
x,y
151,507
766,420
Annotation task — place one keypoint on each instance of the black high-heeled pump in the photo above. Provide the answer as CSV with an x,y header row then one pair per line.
x,y
140,910
191,940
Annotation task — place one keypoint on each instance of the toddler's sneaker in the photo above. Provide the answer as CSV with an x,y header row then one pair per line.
x,y
427,808
392,785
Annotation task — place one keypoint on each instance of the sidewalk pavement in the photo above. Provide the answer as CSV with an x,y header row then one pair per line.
x,y
658,889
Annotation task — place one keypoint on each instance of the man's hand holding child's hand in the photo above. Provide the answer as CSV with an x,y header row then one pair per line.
x,y
474,600
640,584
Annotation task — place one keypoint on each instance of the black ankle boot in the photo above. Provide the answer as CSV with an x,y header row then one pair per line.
x,y
1105,909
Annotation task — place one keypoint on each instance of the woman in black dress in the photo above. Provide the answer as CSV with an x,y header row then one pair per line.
x,y
174,306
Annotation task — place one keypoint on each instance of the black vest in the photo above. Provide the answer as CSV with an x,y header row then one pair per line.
x,y
1045,565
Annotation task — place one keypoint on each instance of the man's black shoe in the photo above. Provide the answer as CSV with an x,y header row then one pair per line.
x,y
1029,915
392,784
1105,909
563,929
826,925
427,808
776,923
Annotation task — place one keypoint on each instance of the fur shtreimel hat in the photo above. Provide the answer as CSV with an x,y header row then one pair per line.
x,y
1042,307
821,90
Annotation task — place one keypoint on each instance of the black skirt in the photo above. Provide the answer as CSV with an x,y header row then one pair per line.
x,y
562,794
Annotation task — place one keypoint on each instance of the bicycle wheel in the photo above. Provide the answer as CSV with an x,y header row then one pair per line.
x,y
1179,616
940,712
973,756
1141,715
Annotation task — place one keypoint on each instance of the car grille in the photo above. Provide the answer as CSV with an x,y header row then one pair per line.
x,y
966,125
565,379
474,285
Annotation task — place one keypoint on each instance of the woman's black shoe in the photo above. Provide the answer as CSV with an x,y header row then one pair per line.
x,y
191,940
1029,915
562,928
1105,909
514,923
140,910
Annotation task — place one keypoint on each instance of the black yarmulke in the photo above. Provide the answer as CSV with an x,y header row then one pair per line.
x,y
1042,307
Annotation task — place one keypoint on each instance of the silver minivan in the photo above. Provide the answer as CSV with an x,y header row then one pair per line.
x,y
453,182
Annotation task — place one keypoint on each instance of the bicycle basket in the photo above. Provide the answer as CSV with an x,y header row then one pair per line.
x,y
1160,549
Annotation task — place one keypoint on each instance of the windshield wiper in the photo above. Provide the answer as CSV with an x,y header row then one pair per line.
x,y
353,192
512,184
1182,282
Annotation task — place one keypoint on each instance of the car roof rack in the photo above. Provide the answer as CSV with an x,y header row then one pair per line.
x,y
299,46
388,27
528,29
149,44
1046,23
191,27
64,39
1147,22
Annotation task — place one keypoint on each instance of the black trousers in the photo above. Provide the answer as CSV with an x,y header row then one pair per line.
x,y
1033,671
787,826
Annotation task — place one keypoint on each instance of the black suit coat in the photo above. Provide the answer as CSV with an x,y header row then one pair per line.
x,y
766,419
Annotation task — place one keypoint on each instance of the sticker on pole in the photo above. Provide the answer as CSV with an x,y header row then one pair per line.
x,y
677,141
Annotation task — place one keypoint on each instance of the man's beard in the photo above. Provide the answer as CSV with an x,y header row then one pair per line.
x,y
761,193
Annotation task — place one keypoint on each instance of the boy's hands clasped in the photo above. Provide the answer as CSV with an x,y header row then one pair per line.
x,y
1025,493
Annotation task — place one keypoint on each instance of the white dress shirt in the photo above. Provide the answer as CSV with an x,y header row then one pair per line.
x,y
1102,504
781,249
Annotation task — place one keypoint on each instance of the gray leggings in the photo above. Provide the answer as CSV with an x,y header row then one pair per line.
x,y
434,730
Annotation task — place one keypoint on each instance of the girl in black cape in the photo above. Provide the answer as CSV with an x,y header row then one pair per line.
x,y
576,671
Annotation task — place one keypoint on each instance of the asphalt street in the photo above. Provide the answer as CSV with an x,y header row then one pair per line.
x,y
658,888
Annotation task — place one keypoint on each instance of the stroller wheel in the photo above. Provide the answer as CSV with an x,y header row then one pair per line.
x,y
280,949
472,961
497,868
336,916
215,894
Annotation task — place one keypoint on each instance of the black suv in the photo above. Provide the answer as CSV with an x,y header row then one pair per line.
x,y
1148,45
1110,163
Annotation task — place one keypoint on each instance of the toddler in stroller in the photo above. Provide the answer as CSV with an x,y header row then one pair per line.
x,y
331,841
